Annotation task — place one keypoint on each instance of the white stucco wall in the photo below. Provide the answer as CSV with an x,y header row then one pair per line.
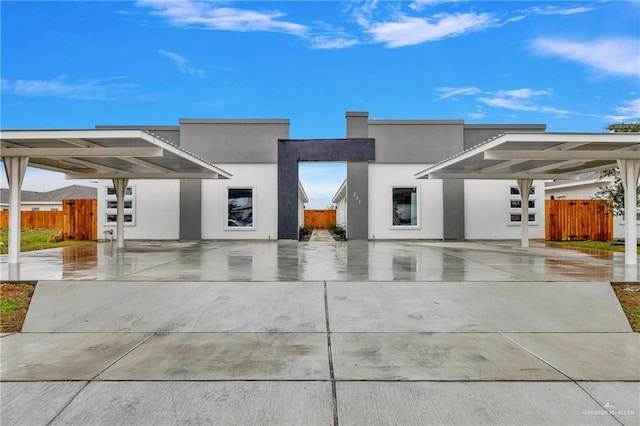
x,y
303,198
486,206
300,211
580,192
263,178
156,210
341,212
382,178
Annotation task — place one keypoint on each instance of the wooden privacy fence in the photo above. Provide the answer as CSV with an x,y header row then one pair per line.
x,y
34,219
575,220
319,219
80,219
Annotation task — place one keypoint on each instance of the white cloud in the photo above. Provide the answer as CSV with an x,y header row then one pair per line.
x,y
420,5
406,30
209,15
523,93
98,89
183,64
329,42
523,99
557,10
618,56
452,92
629,111
477,115
327,36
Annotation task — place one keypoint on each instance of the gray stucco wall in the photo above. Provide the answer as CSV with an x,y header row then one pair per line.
x,y
475,134
234,141
190,209
168,133
453,209
291,152
357,124
357,201
416,141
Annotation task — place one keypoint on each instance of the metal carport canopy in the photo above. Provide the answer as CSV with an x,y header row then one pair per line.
x,y
525,157
117,154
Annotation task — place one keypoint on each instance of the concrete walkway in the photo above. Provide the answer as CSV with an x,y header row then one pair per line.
x,y
320,235
322,333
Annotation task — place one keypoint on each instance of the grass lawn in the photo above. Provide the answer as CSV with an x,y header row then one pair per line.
x,y
597,245
14,302
629,297
36,239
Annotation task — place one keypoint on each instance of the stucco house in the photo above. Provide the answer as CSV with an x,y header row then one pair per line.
x,y
48,200
380,199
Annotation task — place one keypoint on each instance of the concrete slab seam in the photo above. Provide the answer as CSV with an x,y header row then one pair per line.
x,y
94,377
64,407
334,393
537,356
123,355
599,403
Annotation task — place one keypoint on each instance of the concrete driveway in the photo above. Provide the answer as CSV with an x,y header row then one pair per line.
x,y
395,333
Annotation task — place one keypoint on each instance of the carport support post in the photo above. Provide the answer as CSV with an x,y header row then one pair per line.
x,y
524,185
120,185
15,168
630,172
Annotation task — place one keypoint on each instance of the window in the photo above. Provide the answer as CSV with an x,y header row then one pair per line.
x,y
111,191
404,206
111,206
240,208
514,190
515,206
113,218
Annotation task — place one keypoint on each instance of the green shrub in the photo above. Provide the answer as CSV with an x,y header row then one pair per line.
x,y
304,232
339,231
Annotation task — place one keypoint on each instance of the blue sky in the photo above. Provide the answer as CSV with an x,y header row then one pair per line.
x,y
572,65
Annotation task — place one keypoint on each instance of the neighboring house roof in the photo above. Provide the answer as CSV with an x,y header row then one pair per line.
x,y
342,192
26,195
302,194
56,195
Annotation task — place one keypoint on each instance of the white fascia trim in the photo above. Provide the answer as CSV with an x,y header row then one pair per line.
x,y
577,184
341,193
